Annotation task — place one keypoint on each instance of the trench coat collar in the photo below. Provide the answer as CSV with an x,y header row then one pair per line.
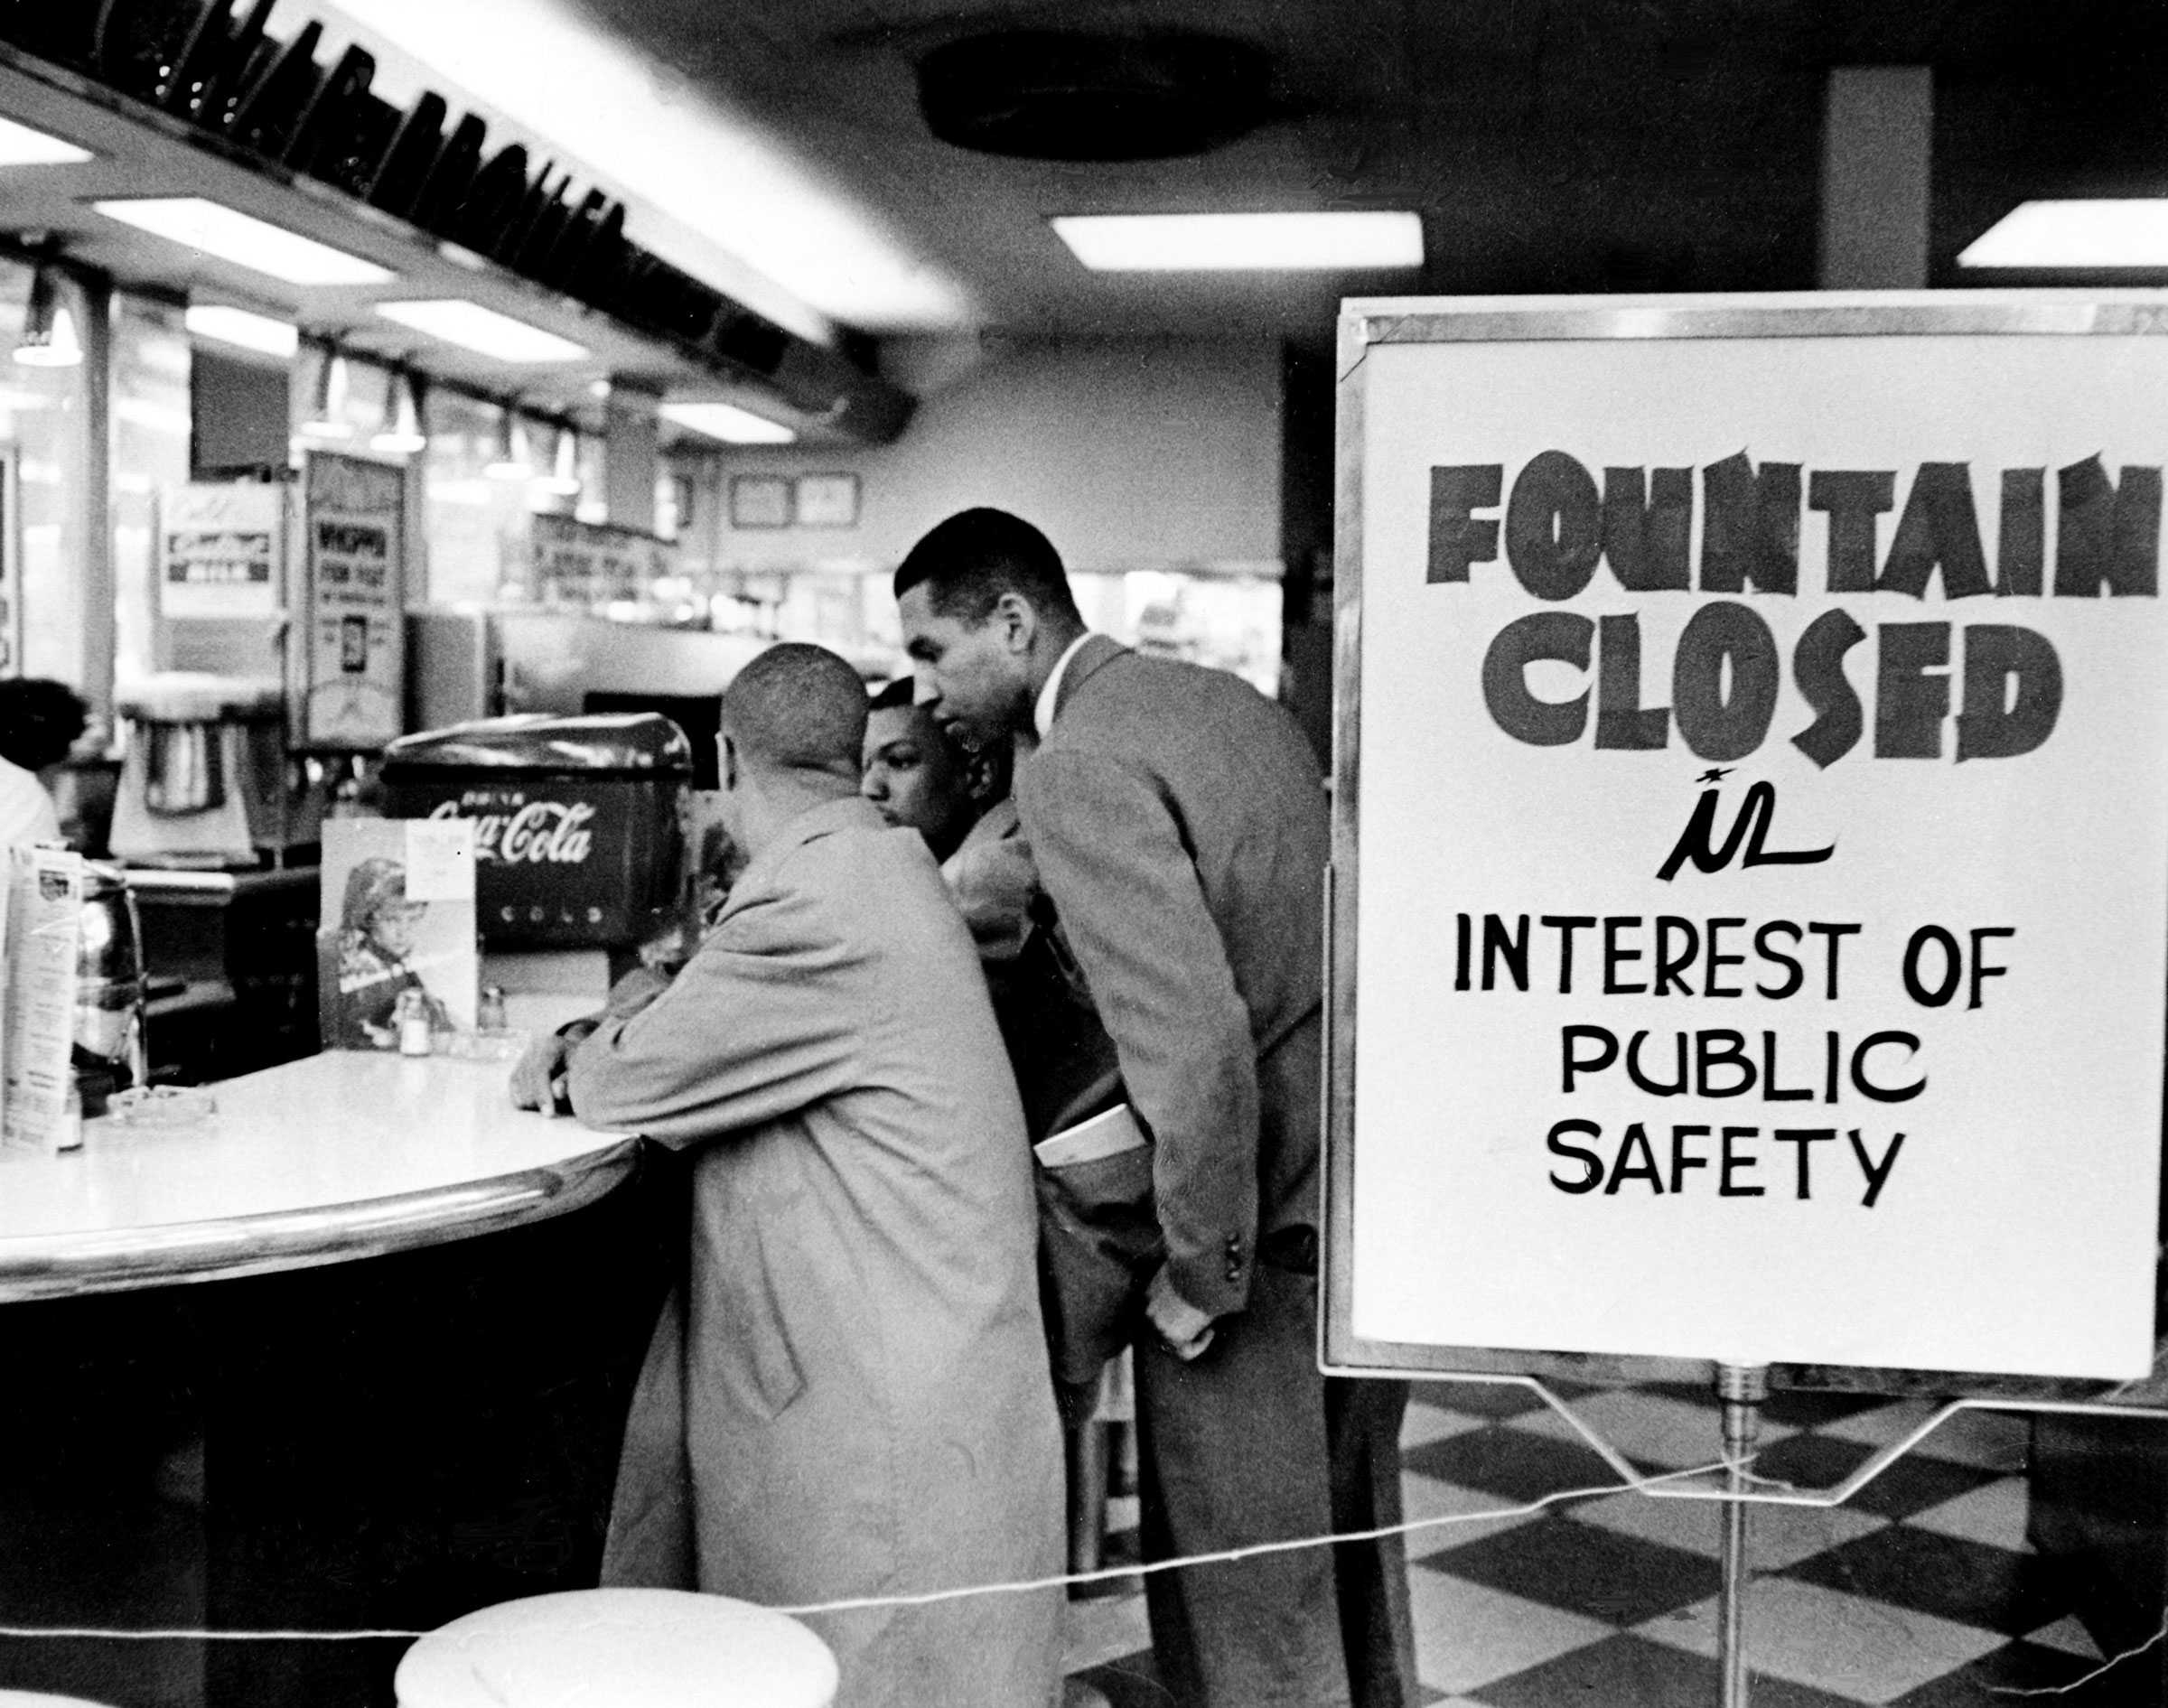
x,y
847,812
1095,655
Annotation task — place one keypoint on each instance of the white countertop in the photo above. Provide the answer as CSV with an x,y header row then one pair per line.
x,y
346,1154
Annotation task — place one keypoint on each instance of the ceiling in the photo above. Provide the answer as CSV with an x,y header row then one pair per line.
x,y
1550,145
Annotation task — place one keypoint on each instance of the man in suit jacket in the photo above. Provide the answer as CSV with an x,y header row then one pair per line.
x,y
849,1397
1180,826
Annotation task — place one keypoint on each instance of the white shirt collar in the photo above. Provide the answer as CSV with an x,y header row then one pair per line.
x,y
1042,710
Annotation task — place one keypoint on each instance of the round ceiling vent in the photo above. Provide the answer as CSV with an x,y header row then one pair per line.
x,y
1055,94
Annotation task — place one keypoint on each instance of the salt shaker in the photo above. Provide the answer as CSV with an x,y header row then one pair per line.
x,y
410,1018
489,1014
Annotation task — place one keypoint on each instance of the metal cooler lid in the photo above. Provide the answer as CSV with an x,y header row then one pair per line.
x,y
540,741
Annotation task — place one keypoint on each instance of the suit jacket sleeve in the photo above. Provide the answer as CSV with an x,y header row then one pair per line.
x,y
1111,855
760,1023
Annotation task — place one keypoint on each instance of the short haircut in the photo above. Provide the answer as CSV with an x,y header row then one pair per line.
x,y
797,707
40,720
974,557
901,696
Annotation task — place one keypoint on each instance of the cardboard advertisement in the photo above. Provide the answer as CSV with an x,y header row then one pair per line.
x,y
43,930
398,913
354,657
220,549
1761,894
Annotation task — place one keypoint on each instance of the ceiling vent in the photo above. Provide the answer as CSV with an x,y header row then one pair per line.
x,y
1053,95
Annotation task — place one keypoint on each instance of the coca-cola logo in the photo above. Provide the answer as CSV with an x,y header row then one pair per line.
x,y
552,832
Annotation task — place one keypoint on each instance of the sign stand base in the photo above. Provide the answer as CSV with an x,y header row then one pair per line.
x,y
1742,1387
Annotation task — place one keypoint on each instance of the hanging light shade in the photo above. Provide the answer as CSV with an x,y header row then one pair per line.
x,y
564,478
512,461
327,416
48,338
402,436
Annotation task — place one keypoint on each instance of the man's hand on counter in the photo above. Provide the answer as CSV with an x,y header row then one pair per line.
x,y
538,1079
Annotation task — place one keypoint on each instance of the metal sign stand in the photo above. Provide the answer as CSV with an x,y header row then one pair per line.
x,y
1742,1387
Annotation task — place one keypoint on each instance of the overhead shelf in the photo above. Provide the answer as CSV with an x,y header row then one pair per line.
x,y
716,351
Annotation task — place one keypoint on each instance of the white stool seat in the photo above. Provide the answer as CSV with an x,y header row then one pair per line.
x,y
40,1699
619,1649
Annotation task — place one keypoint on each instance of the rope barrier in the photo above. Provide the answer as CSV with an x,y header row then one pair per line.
x,y
1226,1556
868,1602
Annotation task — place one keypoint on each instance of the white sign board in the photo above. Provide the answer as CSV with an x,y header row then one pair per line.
x,y
220,545
1753,833
592,564
354,658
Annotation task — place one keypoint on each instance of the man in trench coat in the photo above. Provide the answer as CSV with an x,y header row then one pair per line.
x,y
1179,823
849,1395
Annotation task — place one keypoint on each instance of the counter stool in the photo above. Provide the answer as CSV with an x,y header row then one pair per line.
x,y
619,1649
40,1699
1101,1455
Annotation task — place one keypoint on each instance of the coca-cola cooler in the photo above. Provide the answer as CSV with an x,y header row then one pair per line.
x,y
578,820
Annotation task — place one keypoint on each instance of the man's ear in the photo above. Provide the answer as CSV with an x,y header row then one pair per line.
x,y
1019,622
729,766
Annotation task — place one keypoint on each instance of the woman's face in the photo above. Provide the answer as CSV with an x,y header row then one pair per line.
x,y
392,927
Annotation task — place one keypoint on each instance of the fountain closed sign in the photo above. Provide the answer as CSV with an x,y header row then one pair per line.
x,y
1751,838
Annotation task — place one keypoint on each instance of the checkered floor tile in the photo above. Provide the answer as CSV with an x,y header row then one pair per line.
x,y
1922,1591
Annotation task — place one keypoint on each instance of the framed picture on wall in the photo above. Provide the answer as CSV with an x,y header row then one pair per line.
x,y
760,501
827,501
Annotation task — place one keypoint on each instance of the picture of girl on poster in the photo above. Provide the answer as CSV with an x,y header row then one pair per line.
x,y
378,927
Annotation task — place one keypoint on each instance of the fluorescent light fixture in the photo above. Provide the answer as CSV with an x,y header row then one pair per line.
x,y
727,423
481,329
1228,243
258,332
245,241
22,146
2075,234
1241,242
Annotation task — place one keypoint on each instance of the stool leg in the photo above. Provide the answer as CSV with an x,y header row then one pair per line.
x,y
1126,1474
1086,1452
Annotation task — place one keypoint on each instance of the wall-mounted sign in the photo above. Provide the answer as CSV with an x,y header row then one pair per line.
x,y
592,564
1751,871
354,655
221,550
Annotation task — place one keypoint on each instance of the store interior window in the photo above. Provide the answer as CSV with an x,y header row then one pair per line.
x,y
152,371
478,478
44,445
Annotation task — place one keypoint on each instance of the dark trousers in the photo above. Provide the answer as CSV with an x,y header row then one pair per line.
x,y
1250,1443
